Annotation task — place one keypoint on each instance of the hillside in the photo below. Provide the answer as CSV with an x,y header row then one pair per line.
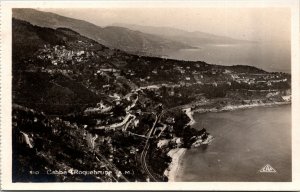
x,y
53,67
115,37
194,38
104,71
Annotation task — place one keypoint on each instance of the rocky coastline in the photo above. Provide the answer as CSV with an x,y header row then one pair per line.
x,y
177,154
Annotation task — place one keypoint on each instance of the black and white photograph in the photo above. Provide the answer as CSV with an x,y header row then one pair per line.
x,y
150,94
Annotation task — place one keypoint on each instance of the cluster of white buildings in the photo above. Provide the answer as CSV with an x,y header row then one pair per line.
x,y
59,54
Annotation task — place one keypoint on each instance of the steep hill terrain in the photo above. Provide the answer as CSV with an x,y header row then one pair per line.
x,y
194,38
115,37
81,61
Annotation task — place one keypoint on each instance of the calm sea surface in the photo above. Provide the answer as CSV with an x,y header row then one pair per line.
x,y
245,141
267,56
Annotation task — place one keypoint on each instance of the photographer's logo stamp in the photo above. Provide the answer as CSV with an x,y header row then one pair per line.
x,y
267,169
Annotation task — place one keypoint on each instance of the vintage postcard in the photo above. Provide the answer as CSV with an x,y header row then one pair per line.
x,y
141,94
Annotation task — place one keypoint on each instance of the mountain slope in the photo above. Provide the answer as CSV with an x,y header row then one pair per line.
x,y
115,37
80,70
56,68
192,38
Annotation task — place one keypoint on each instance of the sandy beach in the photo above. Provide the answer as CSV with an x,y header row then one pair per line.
x,y
174,167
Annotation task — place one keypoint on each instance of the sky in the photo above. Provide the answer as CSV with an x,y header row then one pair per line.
x,y
256,24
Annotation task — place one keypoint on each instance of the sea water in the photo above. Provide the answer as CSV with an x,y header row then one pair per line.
x,y
245,142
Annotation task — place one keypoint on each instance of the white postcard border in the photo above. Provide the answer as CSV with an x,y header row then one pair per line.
x,y
6,151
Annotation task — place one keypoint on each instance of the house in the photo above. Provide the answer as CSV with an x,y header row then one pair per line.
x,y
54,62
234,76
163,143
172,92
287,98
170,120
108,70
80,53
136,122
178,141
226,71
